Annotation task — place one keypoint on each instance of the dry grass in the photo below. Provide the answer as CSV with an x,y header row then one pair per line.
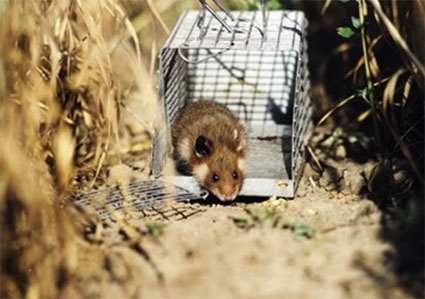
x,y
388,77
74,89
71,74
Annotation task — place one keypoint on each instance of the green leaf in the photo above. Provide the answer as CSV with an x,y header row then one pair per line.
x,y
270,220
274,5
356,22
365,92
241,222
344,1
345,32
251,5
302,230
337,132
155,229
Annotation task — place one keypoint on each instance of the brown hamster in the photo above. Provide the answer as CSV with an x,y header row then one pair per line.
x,y
209,143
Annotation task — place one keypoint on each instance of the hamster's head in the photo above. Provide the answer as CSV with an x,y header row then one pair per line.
x,y
221,168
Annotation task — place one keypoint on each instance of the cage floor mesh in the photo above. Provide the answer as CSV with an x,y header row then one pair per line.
x,y
141,198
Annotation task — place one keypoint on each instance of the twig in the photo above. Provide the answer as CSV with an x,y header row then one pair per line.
x,y
362,5
340,104
313,155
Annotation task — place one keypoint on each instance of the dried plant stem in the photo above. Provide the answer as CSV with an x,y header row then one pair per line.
x,y
154,51
340,104
370,93
155,13
395,34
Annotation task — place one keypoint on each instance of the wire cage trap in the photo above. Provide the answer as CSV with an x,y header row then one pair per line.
x,y
255,63
259,71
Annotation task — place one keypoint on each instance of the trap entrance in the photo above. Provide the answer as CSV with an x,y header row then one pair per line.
x,y
259,71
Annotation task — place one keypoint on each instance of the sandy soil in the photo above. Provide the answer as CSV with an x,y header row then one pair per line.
x,y
202,253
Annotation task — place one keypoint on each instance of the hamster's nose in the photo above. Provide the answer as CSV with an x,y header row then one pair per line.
x,y
228,196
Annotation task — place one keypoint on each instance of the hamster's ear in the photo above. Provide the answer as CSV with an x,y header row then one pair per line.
x,y
203,147
240,140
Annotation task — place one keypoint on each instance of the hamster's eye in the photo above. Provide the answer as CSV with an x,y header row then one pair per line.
x,y
215,177
235,175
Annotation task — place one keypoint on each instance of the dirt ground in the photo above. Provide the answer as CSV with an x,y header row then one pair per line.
x,y
251,249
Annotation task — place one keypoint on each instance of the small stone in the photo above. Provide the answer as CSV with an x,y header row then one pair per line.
x,y
328,142
331,178
354,179
312,212
340,152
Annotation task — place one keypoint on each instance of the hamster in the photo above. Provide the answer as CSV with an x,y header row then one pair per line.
x,y
209,143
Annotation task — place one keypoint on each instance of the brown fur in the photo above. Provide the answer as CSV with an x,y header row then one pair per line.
x,y
217,124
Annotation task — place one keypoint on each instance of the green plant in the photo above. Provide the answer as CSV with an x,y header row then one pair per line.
x,y
266,217
368,92
262,217
155,229
270,5
302,230
388,76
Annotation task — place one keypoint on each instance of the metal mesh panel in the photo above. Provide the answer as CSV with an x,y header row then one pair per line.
x,y
260,73
284,31
302,122
140,197
174,83
257,86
